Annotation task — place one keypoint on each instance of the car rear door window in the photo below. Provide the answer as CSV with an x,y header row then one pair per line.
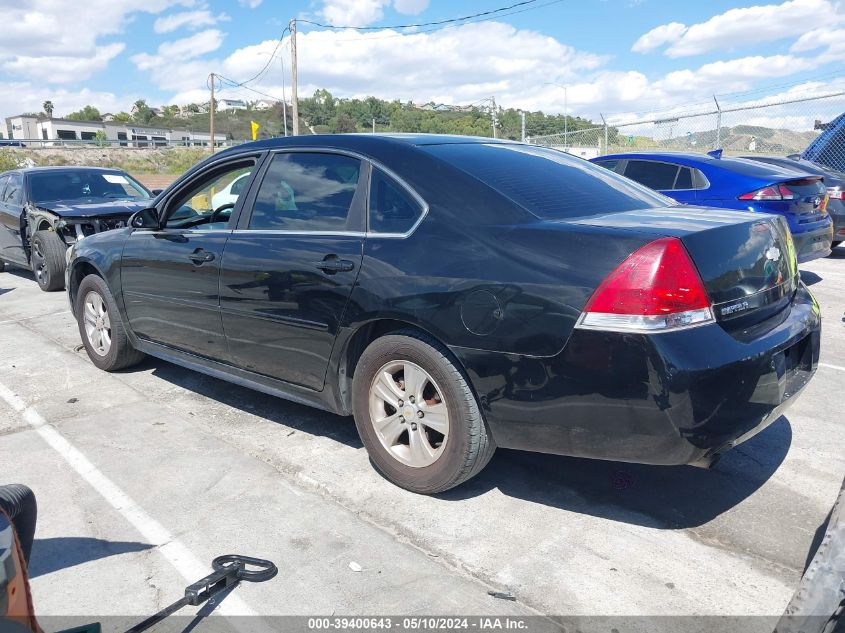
x,y
545,182
303,191
684,179
653,174
3,181
392,208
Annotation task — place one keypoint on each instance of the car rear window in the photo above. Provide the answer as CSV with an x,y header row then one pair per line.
x,y
546,182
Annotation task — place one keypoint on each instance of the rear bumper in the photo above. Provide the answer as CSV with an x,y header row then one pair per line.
x,y
813,244
670,398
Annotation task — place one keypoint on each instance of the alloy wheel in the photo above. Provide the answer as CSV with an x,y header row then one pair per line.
x,y
97,324
408,413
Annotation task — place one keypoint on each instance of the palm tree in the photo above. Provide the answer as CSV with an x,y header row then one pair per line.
x,y
48,108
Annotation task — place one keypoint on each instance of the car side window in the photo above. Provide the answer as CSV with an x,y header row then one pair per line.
x,y
392,208
14,189
684,179
206,205
304,191
653,174
3,181
608,164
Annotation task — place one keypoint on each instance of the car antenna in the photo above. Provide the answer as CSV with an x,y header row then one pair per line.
x,y
716,153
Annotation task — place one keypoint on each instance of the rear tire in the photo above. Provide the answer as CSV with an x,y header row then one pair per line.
x,y
101,328
416,414
835,244
48,260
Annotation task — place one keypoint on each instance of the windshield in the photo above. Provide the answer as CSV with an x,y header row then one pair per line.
x,y
84,185
549,183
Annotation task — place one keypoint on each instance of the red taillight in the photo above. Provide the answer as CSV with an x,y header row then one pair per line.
x,y
656,288
766,193
786,192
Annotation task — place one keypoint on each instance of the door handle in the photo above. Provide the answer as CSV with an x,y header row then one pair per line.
x,y
332,265
201,256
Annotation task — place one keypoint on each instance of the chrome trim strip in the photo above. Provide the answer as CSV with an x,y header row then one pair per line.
x,y
640,324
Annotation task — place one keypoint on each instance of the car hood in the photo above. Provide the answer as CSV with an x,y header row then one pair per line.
x,y
94,207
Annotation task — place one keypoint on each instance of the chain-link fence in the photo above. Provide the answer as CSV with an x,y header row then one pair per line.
x,y
782,128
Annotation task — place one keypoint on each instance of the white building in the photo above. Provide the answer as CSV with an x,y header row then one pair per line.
x,y
230,104
264,104
64,131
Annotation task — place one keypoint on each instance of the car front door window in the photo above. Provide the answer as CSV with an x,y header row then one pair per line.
x,y
200,207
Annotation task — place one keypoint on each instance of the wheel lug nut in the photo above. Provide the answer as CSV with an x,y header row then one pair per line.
x,y
420,414
401,403
411,399
413,426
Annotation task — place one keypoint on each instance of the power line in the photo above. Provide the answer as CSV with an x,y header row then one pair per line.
x,y
448,26
410,26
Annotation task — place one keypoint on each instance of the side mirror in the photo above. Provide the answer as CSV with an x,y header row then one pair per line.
x,y
145,219
155,192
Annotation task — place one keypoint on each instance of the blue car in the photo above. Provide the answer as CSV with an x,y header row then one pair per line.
x,y
710,180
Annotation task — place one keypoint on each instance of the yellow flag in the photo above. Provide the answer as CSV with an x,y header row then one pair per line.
x,y
255,127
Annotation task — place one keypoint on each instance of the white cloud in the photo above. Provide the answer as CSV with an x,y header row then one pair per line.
x,y
176,65
410,7
732,75
464,64
24,96
192,20
658,36
737,27
59,69
250,4
353,12
32,27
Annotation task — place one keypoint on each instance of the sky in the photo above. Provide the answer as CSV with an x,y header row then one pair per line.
x,y
586,57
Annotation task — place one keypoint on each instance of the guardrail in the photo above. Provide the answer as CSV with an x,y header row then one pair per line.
x,y
37,143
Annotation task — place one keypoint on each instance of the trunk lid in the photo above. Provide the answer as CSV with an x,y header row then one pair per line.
x,y
746,261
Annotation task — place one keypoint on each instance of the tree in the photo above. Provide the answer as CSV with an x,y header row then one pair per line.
x,y
344,123
122,117
141,112
88,113
48,108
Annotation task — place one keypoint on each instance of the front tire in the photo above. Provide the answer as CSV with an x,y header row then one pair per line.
x,y
101,328
417,416
48,260
2,266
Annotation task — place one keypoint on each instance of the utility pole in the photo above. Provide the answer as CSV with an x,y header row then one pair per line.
x,y
294,101
374,125
211,78
493,115
522,115
604,123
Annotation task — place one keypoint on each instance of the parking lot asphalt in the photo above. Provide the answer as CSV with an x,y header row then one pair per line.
x,y
143,476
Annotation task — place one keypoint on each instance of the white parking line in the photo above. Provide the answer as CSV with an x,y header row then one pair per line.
x,y
829,366
188,565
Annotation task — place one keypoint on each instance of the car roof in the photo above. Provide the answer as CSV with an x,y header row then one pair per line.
x,y
351,141
707,163
65,168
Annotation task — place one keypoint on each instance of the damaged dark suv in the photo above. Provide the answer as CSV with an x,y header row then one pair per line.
x,y
43,210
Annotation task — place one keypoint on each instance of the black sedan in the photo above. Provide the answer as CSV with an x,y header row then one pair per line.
x,y
43,210
458,294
